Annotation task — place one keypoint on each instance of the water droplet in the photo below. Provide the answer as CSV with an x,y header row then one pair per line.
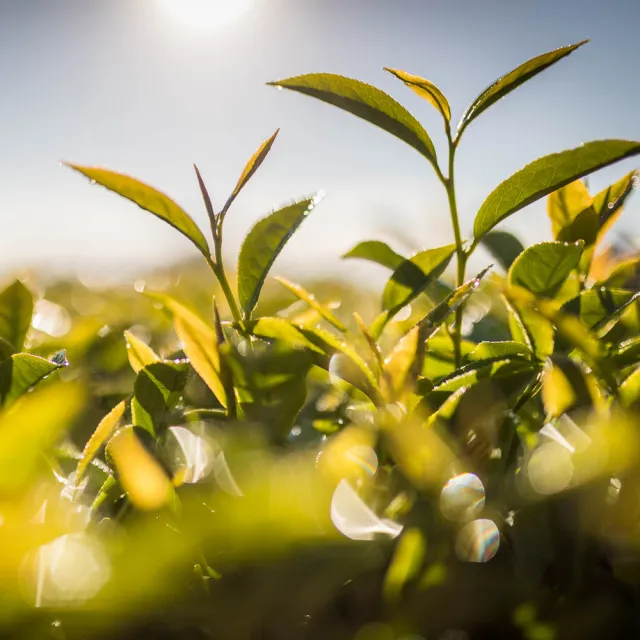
x,y
550,469
139,285
462,498
296,431
92,181
403,314
478,541
279,88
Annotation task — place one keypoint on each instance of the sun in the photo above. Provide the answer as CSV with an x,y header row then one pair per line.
x,y
206,13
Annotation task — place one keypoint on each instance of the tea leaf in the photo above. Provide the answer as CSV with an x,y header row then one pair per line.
x,y
503,246
102,433
403,365
597,305
629,390
272,328
262,246
622,273
309,299
489,350
513,80
543,268
16,309
413,276
20,372
149,199
251,167
155,392
609,202
425,89
530,329
199,342
366,102
564,386
378,252
139,353
627,354
141,476
545,175
406,563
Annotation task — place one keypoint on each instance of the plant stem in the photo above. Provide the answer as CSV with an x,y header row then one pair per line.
x,y
449,184
218,271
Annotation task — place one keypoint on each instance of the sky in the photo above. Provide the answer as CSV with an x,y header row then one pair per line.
x,y
123,85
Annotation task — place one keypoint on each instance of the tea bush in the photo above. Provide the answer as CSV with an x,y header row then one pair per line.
x,y
462,463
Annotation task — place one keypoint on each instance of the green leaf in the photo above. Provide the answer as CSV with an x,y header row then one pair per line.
x,y
413,276
597,305
272,328
378,252
503,246
155,393
31,427
544,267
102,433
403,365
565,204
16,310
271,384
20,372
251,167
627,354
609,202
425,89
513,80
308,298
545,175
504,349
139,353
149,199
366,102
530,329
262,246
623,273
564,386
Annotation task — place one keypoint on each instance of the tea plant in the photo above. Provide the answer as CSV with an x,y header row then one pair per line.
x,y
262,438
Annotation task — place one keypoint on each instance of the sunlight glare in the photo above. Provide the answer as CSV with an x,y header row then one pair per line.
x,y
206,13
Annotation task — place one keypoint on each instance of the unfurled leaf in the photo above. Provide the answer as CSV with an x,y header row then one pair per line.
x,y
609,202
271,384
378,252
272,328
598,305
139,353
200,344
20,372
31,427
530,329
565,386
309,299
503,246
413,276
544,267
565,204
16,309
100,436
545,175
140,474
251,167
155,393
425,89
207,200
364,101
149,199
406,563
513,80
262,246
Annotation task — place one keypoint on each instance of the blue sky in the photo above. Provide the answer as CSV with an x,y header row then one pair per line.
x,y
121,84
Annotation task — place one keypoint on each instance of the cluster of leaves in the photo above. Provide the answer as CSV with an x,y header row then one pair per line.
x,y
238,445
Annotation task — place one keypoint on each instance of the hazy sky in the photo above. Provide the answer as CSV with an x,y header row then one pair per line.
x,y
121,84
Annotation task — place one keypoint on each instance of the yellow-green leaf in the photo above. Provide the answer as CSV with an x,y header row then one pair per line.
x,y
139,353
609,202
100,436
378,252
200,344
565,204
262,246
366,102
545,175
630,390
149,199
16,309
406,563
309,299
273,328
512,80
425,89
250,168
20,372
